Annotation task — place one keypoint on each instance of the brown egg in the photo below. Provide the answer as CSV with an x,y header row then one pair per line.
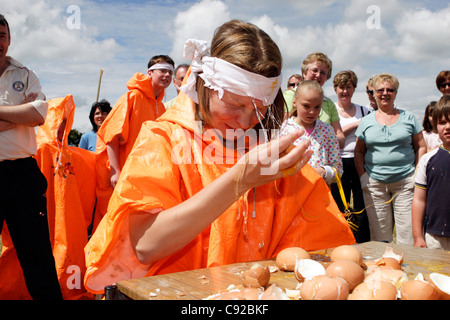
x,y
389,253
287,257
348,270
251,293
374,290
273,292
347,252
257,276
418,290
442,284
396,277
389,263
324,287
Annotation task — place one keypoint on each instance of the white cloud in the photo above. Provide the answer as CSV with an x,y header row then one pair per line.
x,y
424,36
198,22
120,37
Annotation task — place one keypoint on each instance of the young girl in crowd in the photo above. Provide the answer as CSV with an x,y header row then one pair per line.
x,y
431,192
429,135
324,144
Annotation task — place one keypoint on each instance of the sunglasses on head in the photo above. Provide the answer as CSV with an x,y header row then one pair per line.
x,y
444,85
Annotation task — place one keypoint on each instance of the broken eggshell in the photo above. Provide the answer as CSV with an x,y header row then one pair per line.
x,y
273,292
306,269
324,287
374,290
389,253
418,290
348,270
396,277
388,263
442,284
257,276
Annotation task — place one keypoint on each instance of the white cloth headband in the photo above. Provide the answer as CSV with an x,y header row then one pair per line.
x,y
221,76
161,65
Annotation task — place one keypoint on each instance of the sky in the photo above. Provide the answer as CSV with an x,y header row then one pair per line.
x,y
68,42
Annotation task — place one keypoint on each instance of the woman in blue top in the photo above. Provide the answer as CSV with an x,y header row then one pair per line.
x,y
389,145
99,111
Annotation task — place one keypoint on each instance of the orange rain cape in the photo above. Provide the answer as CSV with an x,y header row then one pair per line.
x,y
169,163
124,121
71,179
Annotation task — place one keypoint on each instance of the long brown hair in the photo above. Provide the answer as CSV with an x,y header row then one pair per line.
x,y
250,48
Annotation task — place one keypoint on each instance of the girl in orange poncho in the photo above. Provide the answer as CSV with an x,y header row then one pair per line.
x,y
118,132
71,178
189,198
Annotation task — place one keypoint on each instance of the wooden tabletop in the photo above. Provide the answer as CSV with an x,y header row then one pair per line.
x,y
202,283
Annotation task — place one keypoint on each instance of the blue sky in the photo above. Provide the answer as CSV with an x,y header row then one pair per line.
x,y
121,36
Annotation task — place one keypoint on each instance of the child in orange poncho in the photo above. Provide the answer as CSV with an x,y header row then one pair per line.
x,y
118,132
189,198
71,179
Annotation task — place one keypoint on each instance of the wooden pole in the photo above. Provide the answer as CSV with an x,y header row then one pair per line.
x,y
99,84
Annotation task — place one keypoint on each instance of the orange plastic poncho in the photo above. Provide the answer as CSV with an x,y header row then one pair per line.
x,y
71,179
124,121
294,211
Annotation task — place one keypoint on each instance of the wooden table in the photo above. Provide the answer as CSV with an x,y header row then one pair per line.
x,y
202,283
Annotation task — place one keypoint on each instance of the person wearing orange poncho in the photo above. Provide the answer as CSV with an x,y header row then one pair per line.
x,y
116,136
71,178
191,196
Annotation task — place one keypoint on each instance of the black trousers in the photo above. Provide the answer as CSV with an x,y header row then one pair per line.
x,y
352,185
23,207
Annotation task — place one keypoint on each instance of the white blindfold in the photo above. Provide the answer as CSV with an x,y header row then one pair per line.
x,y
220,75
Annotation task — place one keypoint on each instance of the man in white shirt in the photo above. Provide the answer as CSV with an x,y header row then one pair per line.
x,y
22,185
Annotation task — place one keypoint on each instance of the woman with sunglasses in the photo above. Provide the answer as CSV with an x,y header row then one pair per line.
x,y
289,93
388,147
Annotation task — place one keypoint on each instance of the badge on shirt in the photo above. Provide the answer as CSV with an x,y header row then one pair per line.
x,y
18,86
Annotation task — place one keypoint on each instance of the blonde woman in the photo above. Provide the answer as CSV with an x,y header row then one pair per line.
x,y
388,147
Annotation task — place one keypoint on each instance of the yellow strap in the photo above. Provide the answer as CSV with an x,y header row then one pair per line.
x,y
341,190
346,204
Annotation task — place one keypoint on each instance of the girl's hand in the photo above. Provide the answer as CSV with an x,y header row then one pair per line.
x,y
273,160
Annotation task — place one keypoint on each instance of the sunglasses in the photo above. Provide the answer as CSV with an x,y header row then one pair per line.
x,y
293,85
444,85
370,92
381,91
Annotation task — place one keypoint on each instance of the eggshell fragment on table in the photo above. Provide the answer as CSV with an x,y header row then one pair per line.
x,y
306,269
442,284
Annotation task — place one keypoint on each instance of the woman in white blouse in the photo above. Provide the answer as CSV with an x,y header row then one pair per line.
x,y
350,114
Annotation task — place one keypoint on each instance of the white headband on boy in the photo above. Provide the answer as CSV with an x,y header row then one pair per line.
x,y
221,76
161,66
